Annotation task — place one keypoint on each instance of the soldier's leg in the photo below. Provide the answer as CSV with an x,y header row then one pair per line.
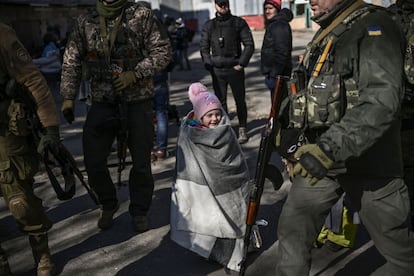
x,y
141,182
384,212
4,264
25,206
302,217
219,76
98,135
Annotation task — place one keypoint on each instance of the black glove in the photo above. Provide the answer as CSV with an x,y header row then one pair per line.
x,y
51,139
208,67
67,110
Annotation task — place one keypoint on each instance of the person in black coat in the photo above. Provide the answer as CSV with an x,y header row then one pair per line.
x,y
276,53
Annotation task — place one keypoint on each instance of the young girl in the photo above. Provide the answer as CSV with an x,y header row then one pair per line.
x,y
210,190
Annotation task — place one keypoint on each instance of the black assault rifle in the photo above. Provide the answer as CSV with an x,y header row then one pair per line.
x,y
59,155
265,151
122,135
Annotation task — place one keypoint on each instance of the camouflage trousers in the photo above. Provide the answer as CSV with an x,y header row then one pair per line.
x,y
18,164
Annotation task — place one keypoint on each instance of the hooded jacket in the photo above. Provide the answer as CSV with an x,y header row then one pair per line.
x,y
276,54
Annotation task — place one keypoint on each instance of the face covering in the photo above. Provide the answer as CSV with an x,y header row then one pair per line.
x,y
110,10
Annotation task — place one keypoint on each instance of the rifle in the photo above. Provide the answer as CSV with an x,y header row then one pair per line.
x,y
59,156
265,151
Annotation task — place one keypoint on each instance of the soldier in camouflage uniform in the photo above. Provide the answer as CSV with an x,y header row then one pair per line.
x,y
120,46
348,108
19,160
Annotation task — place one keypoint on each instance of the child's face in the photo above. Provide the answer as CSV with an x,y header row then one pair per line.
x,y
211,118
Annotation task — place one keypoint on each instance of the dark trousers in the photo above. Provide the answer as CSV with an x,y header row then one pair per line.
x,y
383,211
100,130
222,77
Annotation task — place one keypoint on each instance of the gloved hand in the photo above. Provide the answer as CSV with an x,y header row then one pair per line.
x,y
208,67
124,80
67,110
313,162
49,139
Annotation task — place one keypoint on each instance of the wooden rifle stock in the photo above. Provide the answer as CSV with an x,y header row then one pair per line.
x,y
265,151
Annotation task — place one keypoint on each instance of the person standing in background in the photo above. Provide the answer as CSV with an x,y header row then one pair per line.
x,y
221,50
276,53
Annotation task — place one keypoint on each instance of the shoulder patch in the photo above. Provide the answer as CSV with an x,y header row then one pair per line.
x,y
374,31
21,52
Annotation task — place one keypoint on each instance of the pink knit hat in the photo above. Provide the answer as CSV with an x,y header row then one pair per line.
x,y
203,101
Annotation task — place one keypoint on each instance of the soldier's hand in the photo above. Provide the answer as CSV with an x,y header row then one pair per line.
x,y
67,110
124,80
313,162
50,139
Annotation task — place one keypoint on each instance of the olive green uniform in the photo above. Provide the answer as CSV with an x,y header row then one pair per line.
x,y
352,106
18,157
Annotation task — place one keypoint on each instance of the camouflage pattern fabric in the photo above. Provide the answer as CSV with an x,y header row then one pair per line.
x,y
140,46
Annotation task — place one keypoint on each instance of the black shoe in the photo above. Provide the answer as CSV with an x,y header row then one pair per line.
x,y
106,218
140,224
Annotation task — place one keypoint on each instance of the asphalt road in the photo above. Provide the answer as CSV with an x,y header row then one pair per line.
x,y
80,248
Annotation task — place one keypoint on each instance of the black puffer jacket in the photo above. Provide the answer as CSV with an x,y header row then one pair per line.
x,y
234,32
276,54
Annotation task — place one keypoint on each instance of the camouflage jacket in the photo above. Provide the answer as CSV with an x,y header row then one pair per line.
x,y
15,62
140,46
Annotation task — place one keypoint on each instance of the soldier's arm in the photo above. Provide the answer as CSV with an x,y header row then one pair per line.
x,y
379,84
72,63
20,66
156,43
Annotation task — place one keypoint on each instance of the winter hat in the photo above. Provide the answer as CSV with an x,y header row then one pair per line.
x,y
276,3
221,2
180,22
203,101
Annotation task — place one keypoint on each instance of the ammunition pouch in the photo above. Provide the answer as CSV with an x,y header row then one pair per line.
x,y
18,123
326,102
320,105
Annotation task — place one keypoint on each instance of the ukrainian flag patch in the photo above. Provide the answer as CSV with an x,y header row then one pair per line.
x,y
374,31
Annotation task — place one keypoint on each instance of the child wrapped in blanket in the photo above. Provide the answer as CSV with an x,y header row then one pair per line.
x,y
211,187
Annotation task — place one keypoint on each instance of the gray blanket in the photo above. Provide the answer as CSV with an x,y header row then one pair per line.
x,y
210,193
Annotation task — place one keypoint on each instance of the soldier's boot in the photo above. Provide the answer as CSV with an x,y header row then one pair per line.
x,y
41,255
4,264
242,135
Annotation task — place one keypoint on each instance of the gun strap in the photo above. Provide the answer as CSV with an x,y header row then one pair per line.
x,y
338,20
108,44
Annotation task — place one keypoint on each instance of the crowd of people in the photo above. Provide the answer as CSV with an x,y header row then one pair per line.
x,y
345,96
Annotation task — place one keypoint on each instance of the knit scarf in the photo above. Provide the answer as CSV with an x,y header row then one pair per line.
x,y
110,10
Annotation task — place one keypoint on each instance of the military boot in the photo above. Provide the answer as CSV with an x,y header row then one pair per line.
x,y
4,264
41,255
242,135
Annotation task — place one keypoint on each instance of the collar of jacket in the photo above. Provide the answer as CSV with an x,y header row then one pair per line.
x,y
223,17
325,19
110,10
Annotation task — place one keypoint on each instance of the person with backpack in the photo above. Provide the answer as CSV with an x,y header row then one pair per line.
x,y
221,50
346,100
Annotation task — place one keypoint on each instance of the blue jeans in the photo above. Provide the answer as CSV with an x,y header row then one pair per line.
x,y
161,99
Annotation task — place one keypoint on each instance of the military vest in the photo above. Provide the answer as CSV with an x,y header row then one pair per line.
x,y
319,96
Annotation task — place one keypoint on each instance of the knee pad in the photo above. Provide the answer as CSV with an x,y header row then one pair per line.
x,y
19,208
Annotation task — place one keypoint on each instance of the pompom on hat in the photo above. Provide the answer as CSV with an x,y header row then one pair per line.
x,y
276,3
203,101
